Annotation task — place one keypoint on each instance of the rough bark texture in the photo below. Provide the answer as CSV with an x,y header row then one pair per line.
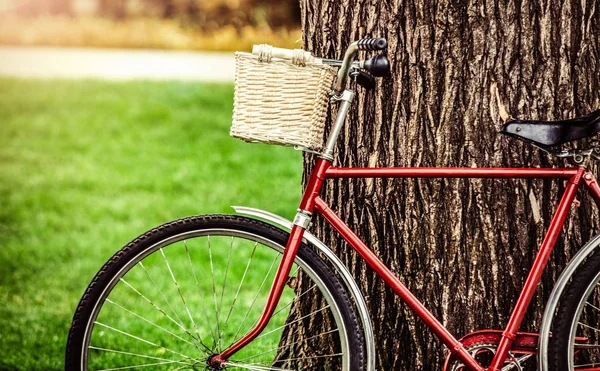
x,y
464,247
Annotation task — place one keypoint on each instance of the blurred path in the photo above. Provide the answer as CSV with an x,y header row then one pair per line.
x,y
116,64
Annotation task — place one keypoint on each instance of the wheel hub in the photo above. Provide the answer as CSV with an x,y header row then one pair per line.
x,y
215,362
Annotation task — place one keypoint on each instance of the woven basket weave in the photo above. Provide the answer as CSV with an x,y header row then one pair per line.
x,y
279,101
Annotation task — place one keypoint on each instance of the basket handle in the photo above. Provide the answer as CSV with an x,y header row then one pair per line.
x,y
298,57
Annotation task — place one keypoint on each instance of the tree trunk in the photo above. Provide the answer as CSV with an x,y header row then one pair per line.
x,y
463,247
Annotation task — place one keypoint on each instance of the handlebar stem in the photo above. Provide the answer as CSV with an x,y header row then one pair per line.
x,y
346,101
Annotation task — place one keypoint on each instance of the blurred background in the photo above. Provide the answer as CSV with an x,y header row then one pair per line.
x,y
165,24
114,118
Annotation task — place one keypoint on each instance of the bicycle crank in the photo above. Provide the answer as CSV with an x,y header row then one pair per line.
x,y
484,353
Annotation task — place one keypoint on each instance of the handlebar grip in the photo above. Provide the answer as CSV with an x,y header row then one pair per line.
x,y
378,43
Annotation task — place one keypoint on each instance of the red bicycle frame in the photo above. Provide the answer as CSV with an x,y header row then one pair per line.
x,y
312,202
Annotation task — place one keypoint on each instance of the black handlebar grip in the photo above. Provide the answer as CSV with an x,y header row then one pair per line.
x,y
372,44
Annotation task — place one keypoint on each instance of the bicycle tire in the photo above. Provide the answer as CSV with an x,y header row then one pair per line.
x,y
578,310
145,342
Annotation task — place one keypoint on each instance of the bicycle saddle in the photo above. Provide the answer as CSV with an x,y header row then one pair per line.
x,y
547,134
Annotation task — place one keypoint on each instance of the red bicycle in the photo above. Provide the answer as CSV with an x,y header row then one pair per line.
x,y
196,293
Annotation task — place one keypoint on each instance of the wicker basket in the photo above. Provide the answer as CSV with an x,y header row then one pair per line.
x,y
279,101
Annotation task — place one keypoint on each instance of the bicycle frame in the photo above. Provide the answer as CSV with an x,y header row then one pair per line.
x,y
312,202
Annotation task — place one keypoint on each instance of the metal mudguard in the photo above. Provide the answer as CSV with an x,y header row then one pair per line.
x,y
557,292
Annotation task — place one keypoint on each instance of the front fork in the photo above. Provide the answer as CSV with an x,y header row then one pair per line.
x,y
301,223
281,278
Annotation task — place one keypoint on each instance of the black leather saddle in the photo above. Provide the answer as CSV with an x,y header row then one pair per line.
x,y
546,134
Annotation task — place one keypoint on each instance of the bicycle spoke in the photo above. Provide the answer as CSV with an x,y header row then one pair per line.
x,y
238,289
591,305
587,365
285,306
288,304
203,304
587,346
134,354
161,294
157,307
182,367
295,298
212,273
187,309
223,288
150,322
140,339
288,345
256,296
255,367
590,327
291,323
300,358
138,366
295,271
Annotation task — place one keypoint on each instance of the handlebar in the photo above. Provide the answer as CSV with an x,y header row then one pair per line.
x,y
266,52
378,43
363,44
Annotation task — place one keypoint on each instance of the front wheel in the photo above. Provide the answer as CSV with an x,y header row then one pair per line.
x,y
186,290
575,342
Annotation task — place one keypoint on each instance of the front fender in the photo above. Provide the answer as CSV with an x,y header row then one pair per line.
x,y
357,296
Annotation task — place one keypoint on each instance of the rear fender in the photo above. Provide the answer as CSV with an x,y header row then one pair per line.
x,y
555,295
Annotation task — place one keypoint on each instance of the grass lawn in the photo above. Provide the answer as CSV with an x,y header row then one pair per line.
x,y
85,166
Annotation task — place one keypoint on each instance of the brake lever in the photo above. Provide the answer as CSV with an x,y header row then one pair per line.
x,y
364,79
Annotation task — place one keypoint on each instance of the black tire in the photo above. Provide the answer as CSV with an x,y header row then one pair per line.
x,y
578,308
136,338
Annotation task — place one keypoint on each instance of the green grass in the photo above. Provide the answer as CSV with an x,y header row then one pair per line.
x,y
85,166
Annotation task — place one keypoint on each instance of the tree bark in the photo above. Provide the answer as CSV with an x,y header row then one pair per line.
x,y
463,247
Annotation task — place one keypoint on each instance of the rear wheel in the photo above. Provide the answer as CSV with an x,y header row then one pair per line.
x,y
185,291
575,342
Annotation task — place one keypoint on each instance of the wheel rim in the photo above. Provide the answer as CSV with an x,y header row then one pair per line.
x,y
585,324
152,315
